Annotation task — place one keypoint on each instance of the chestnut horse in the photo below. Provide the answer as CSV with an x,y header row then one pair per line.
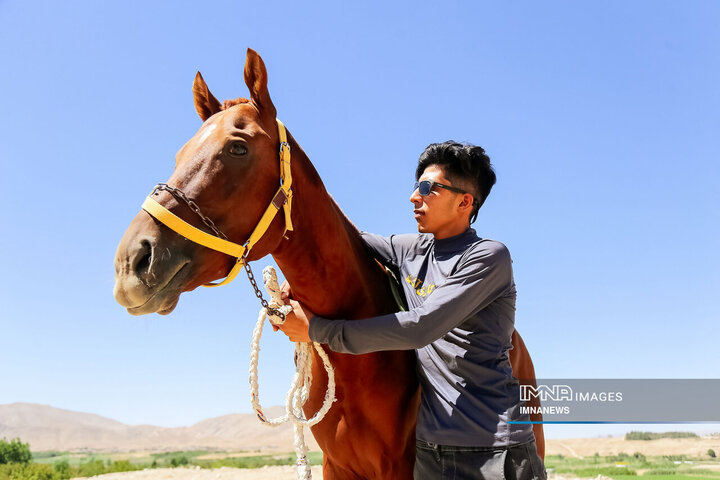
x,y
230,170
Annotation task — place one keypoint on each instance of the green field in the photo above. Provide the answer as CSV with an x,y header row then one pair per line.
x,y
625,466
75,459
168,459
66,465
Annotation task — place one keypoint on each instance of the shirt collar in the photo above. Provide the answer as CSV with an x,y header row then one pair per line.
x,y
458,242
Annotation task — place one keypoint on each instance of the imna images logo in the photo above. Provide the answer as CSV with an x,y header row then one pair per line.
x,y
559,393
555,393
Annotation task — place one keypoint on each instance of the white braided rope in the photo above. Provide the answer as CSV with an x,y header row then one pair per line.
x,y
299,388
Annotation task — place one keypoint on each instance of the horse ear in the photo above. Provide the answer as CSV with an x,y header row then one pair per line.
x,y
205,102
256,81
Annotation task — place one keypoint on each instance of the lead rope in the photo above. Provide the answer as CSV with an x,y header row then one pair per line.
x,y
300,387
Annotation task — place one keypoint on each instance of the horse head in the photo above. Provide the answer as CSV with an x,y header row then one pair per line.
x,y
229,169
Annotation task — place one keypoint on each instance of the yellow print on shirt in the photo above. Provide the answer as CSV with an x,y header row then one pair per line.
x,y
417,285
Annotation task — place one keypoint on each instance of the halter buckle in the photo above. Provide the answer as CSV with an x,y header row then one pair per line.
x,y
279,199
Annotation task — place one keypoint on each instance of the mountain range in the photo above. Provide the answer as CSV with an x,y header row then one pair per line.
x,y
49,428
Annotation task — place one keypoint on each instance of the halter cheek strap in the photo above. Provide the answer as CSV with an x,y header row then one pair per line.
x,y
282,198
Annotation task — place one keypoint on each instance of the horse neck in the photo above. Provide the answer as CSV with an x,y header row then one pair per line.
x,y
323,258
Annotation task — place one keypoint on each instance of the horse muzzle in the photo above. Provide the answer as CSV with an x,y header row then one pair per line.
x,y
149,277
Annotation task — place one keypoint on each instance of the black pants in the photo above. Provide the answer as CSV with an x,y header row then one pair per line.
x,y
517,462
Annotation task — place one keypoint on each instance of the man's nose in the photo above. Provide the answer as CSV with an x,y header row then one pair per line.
x,y
415,197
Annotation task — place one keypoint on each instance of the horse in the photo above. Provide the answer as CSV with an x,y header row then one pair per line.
x,y
225,180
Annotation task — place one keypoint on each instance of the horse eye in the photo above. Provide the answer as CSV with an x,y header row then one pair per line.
x,y
238,149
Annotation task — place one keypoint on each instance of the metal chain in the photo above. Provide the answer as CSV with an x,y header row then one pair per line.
x,y
179,194
258,293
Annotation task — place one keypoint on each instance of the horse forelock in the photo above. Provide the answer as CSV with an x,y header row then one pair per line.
x,y
231,103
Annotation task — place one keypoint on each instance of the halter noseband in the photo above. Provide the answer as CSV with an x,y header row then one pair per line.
x,y
282,198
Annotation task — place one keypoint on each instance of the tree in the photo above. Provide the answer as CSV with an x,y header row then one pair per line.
x,y
711,453
63,469
14,451
639,456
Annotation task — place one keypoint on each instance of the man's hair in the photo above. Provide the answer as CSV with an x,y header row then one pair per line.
x,y
466,166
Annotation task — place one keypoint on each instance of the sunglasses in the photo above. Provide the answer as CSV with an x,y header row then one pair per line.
x,y
425,187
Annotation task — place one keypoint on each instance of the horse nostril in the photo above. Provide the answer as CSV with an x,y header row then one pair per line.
x,y
143,259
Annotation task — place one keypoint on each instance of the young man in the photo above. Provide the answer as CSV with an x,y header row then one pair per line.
x,y
461,295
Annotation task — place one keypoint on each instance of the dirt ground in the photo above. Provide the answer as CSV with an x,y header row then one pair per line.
x,y
586,447
225,473
264,473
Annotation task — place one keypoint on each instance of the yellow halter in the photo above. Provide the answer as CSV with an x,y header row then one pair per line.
x,y
282,198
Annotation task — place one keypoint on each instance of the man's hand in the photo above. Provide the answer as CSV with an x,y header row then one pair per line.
x,y
297,323
285,296
285,293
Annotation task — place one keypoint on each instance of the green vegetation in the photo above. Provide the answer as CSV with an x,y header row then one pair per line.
x,y
619,467
27,471
79,464
315,458
48,454
176,459
675,477
17,462
14,451
151,460
63,470
624,467
655,436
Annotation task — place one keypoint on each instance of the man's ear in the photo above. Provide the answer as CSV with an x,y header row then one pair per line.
x,y
466,204
256,81
205,103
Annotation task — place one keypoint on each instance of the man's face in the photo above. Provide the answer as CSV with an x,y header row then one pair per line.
x,y
438,213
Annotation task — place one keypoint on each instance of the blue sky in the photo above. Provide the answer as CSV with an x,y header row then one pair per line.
x,y
601,119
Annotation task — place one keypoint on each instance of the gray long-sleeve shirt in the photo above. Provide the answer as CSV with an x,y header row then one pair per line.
x,y
461,295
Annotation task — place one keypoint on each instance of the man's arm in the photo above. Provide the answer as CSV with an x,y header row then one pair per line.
x,y
484,276
380,247
389,250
